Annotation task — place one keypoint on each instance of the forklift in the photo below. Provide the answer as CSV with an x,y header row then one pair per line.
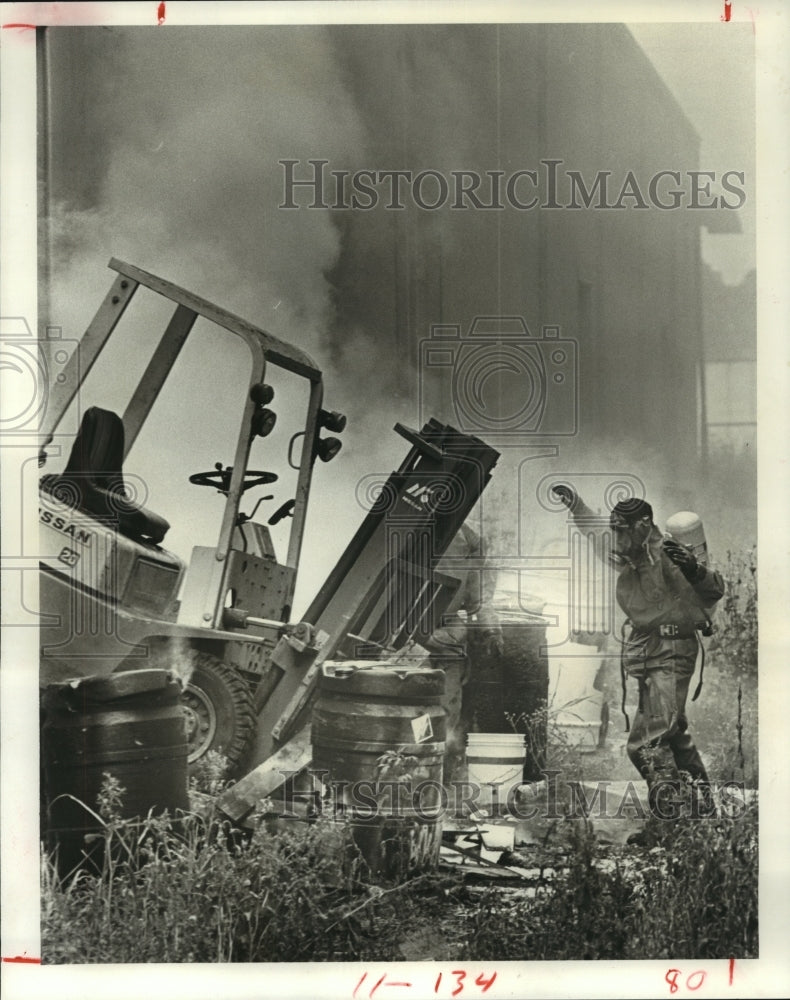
x,y
113,599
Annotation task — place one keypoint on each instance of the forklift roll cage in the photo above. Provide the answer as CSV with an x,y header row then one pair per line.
x,y
264,349
251,673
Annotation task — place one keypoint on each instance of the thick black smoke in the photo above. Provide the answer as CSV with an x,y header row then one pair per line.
x,y
165,152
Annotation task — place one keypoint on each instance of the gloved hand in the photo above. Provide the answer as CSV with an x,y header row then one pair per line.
x,y
684,559
565,494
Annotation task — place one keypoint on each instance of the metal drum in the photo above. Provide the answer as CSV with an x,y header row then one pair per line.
x,y
129,725
378,733
510,693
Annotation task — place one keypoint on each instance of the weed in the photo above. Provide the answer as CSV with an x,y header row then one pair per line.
x,y
582,915
395,765
725,720
110,798
547,741
694,895
736,635
209,774
704,904
193,890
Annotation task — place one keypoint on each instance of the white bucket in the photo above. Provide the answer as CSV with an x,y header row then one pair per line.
x,y
495,762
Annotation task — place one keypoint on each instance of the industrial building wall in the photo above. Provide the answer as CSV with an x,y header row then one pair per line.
x,y
623,282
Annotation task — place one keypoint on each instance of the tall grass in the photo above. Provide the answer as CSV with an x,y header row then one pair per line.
x,y
725,719
192,889
694,895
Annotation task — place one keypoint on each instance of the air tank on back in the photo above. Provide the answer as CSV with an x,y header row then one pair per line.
x,y
686,527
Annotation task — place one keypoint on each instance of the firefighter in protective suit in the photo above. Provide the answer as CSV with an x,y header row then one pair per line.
x,y
667,596
468,625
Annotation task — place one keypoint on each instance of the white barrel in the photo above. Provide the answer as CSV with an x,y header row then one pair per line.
x,y
575,715
686,527
495,762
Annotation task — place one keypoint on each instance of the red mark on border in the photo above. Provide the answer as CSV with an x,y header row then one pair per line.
x,y
727,10
693,981
23,959
160,14
377,985
31,27
732,969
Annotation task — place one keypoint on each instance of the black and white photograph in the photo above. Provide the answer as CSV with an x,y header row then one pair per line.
x,y
401,390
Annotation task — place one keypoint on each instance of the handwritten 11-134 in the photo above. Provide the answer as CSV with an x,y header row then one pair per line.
x,y
455,982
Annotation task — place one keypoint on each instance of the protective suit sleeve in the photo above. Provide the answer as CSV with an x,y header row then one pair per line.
x,y
710,587
595,527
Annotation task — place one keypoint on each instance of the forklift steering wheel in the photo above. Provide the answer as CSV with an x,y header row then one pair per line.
x,y
220,478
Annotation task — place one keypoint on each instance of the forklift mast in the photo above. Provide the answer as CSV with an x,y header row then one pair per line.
x,y
251,672
383,593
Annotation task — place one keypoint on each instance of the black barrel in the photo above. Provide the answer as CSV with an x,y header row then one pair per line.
x,y
509,693
378,732
129,725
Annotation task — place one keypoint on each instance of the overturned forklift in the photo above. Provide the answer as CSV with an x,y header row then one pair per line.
x,y
122,616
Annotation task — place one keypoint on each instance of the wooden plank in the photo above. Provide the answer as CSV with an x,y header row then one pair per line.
x,y
240,799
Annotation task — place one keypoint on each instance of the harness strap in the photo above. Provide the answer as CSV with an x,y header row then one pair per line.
x,y
701,667
623,674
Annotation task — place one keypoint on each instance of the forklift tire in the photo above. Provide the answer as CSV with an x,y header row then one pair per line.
x,y
218,708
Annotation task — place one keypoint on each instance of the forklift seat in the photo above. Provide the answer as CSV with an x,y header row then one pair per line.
x,y
93,478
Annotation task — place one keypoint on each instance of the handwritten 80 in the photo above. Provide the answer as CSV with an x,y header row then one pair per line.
x,y
692,981
446,984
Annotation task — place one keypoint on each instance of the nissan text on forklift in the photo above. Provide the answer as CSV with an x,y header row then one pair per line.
x,y
114,600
